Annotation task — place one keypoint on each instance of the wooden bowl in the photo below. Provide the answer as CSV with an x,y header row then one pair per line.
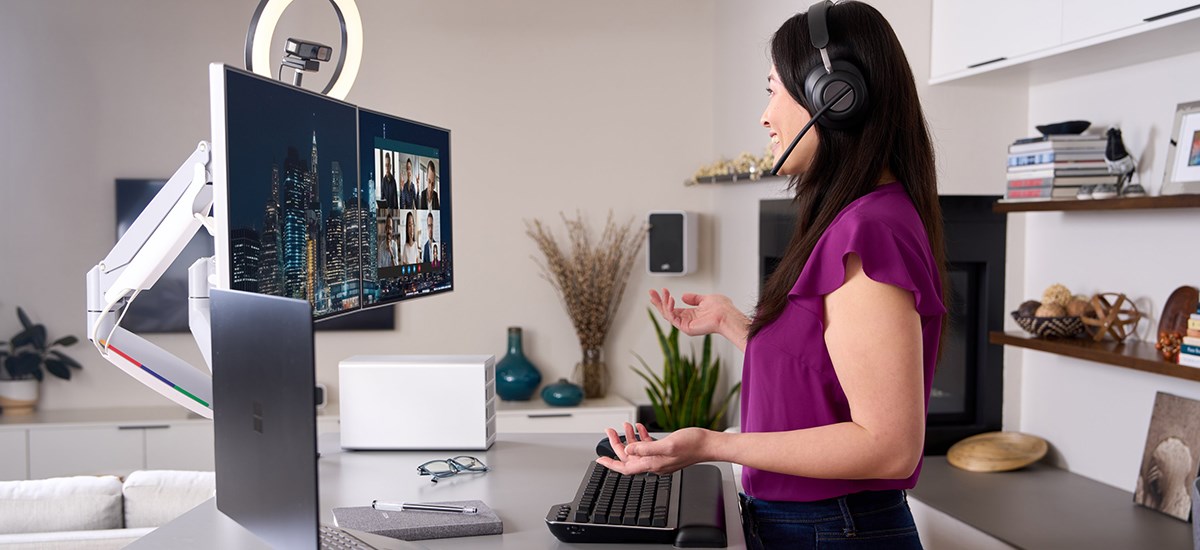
x,y
997,452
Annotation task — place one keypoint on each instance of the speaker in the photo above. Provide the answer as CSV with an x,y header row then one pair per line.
x,y
671,243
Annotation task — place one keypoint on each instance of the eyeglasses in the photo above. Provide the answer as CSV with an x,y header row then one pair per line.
x,y
451,467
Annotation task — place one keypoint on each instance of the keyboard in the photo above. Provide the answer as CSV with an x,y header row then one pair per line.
x,y
333,538
685,508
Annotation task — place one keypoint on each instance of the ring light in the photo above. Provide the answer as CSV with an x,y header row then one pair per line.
x,y
262,31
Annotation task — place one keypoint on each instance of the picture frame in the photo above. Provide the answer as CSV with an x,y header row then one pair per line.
x,y
1182,173
1171,458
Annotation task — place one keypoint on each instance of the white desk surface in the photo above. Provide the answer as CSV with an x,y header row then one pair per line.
x,y
530,473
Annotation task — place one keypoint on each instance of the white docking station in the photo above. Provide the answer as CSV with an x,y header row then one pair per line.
x,y
417,402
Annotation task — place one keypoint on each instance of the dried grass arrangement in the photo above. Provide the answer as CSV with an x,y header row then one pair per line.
x,y
589,277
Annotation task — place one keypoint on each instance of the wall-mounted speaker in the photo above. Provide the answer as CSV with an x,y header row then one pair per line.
x,y
671,244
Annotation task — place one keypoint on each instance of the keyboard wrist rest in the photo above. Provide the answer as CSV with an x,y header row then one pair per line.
x,y
701,508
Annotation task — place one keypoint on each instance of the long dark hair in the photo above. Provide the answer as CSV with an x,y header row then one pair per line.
x,y
849,163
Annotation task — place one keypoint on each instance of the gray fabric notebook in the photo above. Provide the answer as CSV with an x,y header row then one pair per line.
x,y
413,525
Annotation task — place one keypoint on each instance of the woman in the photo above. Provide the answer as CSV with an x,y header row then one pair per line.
x,y
411,254
840,353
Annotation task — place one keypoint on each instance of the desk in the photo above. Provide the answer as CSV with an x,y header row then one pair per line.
x,y
530,473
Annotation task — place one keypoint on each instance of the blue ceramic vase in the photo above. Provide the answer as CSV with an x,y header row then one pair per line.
x,y
562,394
516,377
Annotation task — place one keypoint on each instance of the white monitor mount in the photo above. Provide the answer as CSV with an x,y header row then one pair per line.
x,y
140,257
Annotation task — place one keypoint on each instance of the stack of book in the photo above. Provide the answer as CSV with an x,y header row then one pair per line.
x,y
1189,351
1055,166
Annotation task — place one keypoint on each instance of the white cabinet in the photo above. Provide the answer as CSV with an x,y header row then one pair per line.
x,y
593,415
112,441
975,36
56,452
185,446
969,34
13,455
1083,19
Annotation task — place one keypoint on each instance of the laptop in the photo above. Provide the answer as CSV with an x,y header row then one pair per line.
x,y
264,416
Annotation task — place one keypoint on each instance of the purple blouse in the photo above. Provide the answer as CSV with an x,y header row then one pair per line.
x,y
788,381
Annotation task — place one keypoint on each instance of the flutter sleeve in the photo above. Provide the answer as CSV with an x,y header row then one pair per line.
x,y
898,256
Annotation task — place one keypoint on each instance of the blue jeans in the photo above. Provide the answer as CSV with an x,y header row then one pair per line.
x,y
871,519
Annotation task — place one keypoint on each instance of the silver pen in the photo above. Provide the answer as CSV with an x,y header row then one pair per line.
x,y
414,506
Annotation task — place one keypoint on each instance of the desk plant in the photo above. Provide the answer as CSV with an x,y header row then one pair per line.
x,y
27,357
683,396
589,277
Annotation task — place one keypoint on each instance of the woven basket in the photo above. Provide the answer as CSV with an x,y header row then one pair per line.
x,y
1050,327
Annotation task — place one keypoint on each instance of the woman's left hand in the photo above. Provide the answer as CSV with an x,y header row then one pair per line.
x,y
679,449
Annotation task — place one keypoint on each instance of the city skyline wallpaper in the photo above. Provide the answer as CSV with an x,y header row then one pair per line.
x,y
296,218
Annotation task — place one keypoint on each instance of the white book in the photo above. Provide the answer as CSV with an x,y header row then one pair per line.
x,y
1189,360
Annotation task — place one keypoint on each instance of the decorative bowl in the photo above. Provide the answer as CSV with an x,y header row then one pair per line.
x,y
1050,327
1069,127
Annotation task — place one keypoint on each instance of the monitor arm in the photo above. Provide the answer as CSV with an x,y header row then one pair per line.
x,y
140,257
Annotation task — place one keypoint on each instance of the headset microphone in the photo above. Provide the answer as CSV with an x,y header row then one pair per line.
x,y
805,129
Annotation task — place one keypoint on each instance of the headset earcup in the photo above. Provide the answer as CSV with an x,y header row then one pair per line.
x,y
821,87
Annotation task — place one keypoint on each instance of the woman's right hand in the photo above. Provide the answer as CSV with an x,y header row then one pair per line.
x,y
712,313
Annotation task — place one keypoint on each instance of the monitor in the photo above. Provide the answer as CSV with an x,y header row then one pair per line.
x,y
319,200
406,178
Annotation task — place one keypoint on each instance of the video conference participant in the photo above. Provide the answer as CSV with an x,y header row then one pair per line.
x,y
832,427
429,196
388,251
410,254
428,251
387,183
408,190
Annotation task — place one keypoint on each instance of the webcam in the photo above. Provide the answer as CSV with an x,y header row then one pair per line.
x,y
308,51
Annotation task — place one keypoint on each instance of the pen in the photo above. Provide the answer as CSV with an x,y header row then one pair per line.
x,y
412,506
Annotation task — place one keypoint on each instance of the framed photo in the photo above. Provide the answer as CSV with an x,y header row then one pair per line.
x,y
1182,174
1171,458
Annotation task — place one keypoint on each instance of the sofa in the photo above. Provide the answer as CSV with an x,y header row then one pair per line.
x,y
95,512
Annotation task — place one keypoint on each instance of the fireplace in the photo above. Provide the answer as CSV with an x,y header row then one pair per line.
x,y
967,393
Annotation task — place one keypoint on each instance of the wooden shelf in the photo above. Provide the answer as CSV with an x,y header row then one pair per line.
x,y
1136,203
1133,354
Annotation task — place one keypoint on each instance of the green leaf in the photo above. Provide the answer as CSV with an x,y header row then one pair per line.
x,y
25,322
65,341
65,359
58,368
39,337
25,364
22,338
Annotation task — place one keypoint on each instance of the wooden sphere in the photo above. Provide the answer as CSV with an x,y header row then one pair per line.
x,y
1115,316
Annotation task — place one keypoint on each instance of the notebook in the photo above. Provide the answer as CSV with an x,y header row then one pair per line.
x,y
414,525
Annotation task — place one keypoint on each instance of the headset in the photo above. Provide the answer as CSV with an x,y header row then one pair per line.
x,y
835,89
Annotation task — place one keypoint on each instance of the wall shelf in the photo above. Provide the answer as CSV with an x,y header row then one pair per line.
x,y
1133,354
1136,203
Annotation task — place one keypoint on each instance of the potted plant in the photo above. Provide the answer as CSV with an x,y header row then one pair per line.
x,y
683,396
27,357
589,276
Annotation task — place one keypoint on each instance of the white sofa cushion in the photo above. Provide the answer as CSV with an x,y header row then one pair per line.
x,y
154,497
60,504
104,539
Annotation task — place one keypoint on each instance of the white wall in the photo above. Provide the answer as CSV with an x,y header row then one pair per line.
x,y
554,106
1096,416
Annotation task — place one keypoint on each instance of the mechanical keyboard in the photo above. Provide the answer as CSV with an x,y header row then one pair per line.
x,y
685,508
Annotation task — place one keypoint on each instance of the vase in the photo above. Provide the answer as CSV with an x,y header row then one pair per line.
x,y
516,377
18,397
592,373
562,394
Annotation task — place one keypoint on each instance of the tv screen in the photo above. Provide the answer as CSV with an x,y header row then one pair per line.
x,y
406,179
162,308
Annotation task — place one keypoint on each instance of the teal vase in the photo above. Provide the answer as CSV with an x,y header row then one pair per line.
x,y
516,377
562,394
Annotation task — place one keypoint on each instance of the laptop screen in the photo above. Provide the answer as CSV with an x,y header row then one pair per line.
x,y
264,416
